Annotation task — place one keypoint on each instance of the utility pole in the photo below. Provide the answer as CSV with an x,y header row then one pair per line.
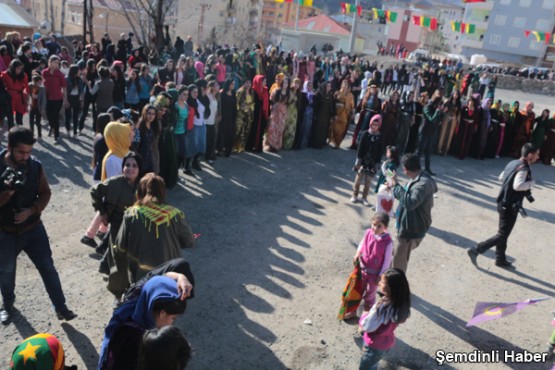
x,y
354,29
203,8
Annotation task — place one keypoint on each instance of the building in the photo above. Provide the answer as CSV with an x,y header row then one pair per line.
x,y
403,31
275,15
500,30
371,30
317,31
230,21
14,17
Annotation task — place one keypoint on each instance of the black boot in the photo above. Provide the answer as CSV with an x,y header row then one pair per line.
x,y
196,163
187,170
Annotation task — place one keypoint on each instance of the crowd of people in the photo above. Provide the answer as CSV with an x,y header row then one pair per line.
x,y
148,124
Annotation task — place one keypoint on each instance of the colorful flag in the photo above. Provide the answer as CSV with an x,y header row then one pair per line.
x,y
305,3
422,21
470,28
391,16
526,33
486,311
474,1
281,1
359,10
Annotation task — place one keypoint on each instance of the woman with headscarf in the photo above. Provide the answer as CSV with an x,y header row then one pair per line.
x,y
494,132
152,304
261,112
369,106
276,126
523,128
41,351
118,137
390,116
229,119
406,120
324,110
540,128
484,128
245,116
292,115
419,105
344,107
450,122
167,149
510,129
306,114
504,114
547,151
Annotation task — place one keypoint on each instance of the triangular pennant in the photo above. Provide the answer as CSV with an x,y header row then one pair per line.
x,y
526,33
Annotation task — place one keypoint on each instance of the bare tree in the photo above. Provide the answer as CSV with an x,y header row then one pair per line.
x,y
142,13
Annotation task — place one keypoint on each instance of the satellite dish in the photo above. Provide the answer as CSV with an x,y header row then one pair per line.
x,y
45,26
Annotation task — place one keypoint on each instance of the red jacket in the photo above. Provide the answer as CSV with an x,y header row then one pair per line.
x,y
18,90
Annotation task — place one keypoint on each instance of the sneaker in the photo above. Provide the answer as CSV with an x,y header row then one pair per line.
x,y
88,241
503,263
365,202
354,199
5,313
473,254
65,314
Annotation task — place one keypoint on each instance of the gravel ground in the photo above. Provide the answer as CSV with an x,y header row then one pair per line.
x,y
278,236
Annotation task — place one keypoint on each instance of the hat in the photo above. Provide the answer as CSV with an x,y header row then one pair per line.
x,y
39,352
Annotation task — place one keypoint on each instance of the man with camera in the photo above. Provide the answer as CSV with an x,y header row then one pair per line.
x,y
24,193
517,182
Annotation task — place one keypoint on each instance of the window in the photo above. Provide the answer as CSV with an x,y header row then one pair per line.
x,y
519,22
495,39
548,4
514,42
500,20
543,25
525,3
534,45
505,2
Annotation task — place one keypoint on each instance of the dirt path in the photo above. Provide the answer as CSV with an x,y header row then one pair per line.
x,y
278,236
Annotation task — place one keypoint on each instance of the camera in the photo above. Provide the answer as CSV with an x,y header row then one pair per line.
x,y
13,179
529,196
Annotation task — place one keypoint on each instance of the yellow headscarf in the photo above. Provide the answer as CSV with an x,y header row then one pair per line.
x,y
279,81
116,135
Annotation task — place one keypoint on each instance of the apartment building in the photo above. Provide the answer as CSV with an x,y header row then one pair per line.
x,y
500,30
231,21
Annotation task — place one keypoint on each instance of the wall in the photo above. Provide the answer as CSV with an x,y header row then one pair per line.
x,y
526,85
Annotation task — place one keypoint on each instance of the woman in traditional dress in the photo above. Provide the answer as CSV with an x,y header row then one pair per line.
x,y
344,107
406,121
261,112
390,114
229,118
468,126
419,105
523,128
540,128
276,127
450,122
324,110
292,115
245,111
547,152
149,128
167,148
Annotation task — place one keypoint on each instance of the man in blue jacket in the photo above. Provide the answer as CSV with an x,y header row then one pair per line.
x,y
414,214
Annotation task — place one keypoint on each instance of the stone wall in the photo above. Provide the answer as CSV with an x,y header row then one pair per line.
x,y
526,85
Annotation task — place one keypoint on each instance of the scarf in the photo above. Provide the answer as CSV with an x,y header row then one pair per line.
x,y
262,92
157,289
155,214
309,94
39,352
116,136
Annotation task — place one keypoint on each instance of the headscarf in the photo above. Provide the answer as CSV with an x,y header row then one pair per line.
x,y
157,289
39,352
116,135
375,117
161,101
279,81
199,66
309,94
486,112
262,93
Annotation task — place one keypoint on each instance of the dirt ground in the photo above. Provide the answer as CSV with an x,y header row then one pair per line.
x,y
278,237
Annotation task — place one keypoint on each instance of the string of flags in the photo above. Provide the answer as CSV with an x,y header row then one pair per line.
x,y
462,27
300,2
388,15
347,8
540,36
429,22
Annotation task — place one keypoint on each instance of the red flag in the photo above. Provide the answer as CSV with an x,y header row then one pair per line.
x,y
526,33
547,37
474,1
433,24
359,10
416,20
343,8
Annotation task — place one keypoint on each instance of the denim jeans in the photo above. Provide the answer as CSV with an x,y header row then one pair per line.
x,y
35,243
370,358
